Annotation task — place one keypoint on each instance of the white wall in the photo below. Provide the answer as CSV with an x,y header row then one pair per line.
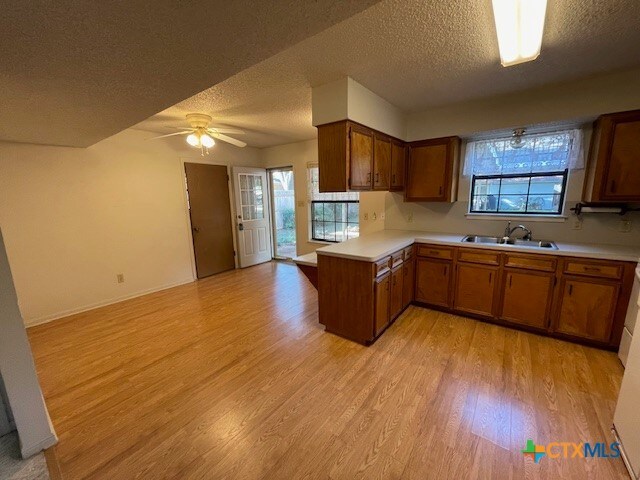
x,y
581,99
347,99
18,370
299,155
75,218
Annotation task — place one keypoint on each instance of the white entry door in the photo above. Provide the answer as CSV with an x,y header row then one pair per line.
x,y
252,217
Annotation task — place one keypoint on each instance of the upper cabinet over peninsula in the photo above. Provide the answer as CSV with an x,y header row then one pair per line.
x,y
354,157
612,173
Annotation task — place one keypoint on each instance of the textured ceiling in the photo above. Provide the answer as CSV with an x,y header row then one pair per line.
x,y
76,71
416,54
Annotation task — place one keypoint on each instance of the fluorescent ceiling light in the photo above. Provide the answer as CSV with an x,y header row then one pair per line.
x,y
519,24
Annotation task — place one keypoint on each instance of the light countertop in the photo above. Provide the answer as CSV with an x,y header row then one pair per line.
x,y
310,259
374,246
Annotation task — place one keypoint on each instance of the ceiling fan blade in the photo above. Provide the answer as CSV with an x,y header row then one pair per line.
x,y
172,134
235,131
230,140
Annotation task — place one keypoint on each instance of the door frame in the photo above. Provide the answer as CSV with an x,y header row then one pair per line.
x,y
187,215
235,198
274,238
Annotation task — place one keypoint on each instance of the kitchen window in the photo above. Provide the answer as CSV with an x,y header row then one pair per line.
x,y
523,174
334,216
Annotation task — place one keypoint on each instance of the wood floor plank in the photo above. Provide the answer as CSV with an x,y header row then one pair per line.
x,y
233,377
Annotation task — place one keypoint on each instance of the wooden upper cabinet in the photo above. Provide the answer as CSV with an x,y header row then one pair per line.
x,y
381,162
587,308
432,170
333,152
526,298
613,174
360,157
398,161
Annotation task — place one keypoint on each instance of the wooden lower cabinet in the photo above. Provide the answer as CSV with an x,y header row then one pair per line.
x,y
396,305
408,281
526,297
572,298
475,288
382,296
433,280
586,308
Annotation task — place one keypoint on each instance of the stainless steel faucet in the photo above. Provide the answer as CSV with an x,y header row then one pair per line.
x,y
528,234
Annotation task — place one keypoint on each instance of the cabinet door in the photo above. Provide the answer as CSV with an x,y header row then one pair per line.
x,y
396,291
475,288
587,308
398,160
432,170
408,282
527,297
382,293
613,170
433,279
381,163
360,158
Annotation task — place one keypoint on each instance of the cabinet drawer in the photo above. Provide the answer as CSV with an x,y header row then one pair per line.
x,y
435,252
408,252
593,269
382,266
530,262
397,258
476,256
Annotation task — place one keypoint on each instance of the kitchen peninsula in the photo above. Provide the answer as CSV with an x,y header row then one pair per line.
x,y
577,292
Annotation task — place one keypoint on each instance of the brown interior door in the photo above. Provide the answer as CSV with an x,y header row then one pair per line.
x,y
210,211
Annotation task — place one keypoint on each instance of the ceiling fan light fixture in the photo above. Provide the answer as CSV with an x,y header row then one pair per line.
x,y
207,140
193,140
519,25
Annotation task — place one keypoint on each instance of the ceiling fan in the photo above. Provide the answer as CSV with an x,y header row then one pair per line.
x,y
201,134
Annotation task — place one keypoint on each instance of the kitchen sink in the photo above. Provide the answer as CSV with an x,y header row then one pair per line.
x,y
515,242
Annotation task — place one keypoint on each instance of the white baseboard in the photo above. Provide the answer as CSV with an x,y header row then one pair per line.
x,y
30,450
49,318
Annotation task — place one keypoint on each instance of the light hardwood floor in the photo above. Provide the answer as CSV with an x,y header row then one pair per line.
x,y
232,377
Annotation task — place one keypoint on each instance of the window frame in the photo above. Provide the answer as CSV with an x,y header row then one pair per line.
x,y
315,238
561,204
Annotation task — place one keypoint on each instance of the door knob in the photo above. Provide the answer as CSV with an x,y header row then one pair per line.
x,y
240,227
196,229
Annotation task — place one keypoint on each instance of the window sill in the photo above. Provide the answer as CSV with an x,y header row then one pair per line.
x,y
528,218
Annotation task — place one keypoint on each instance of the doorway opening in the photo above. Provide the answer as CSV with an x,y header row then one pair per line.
x,y
283,213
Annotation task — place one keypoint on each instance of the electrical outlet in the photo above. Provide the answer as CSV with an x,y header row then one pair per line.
x,y
410,218
120,277
365,216
577,223
382,216
624,225
374,216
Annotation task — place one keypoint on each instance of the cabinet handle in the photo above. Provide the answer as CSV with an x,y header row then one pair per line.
x,y
393,178
570,289
592,269
510,279
490,276
434,252
369,177
377,178
446,269
613,186
440,190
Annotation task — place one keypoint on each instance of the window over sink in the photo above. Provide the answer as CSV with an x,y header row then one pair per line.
x,y
523,174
